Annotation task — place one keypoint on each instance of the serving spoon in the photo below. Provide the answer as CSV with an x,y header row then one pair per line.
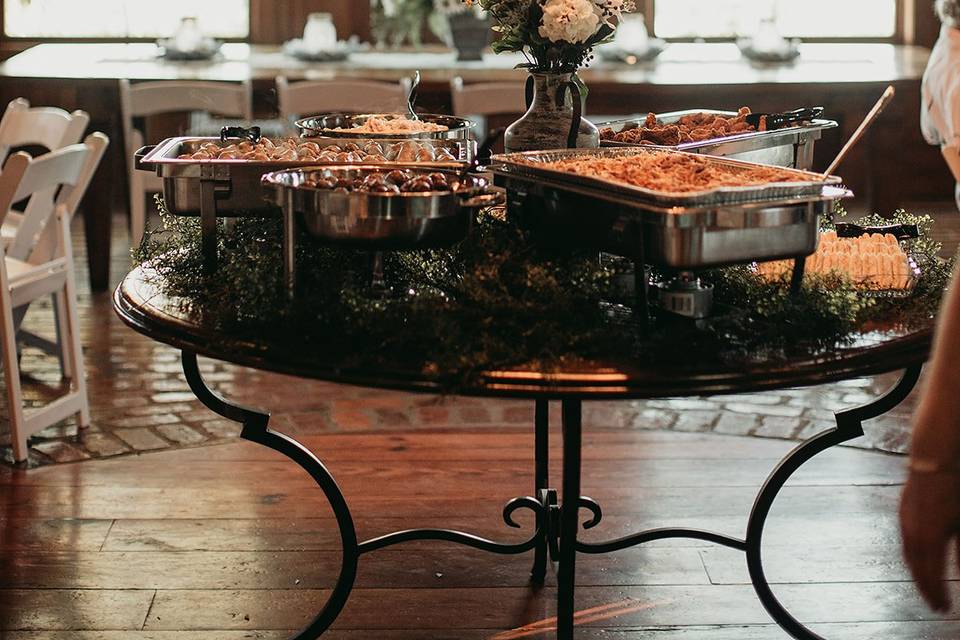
x,y
878,108
412,96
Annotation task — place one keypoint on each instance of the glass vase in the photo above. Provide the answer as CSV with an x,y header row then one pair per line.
x,y
558,103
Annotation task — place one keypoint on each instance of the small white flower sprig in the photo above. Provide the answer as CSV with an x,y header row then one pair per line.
x,y
556,36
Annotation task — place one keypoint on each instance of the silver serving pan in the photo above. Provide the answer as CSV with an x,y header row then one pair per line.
x,y
565,215
235,184
327,125
528,165
376,221
788,147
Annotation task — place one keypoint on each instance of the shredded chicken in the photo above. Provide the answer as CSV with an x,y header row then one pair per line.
x,y
670,172
695,127
395,125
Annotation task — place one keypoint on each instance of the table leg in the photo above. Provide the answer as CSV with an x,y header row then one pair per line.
x,y
255,429
566,578
97,221
542,487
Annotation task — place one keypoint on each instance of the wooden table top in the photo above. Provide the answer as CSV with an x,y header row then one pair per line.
x,y
876,350
685,64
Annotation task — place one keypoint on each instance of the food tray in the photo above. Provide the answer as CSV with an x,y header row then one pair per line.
x,y
325,125
871,292
237,182
788,147
523,166
568,217
371,221
374,220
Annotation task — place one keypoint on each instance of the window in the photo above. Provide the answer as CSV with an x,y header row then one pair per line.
x,y
875,19
122,19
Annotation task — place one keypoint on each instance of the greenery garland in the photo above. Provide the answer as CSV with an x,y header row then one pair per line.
x,y
497,300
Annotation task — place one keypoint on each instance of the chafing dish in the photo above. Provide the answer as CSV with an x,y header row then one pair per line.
x,y
231,188
789,147
374,221
237,182
679,231
338,125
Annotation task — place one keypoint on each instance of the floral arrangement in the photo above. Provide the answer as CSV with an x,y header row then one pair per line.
x,y
556,36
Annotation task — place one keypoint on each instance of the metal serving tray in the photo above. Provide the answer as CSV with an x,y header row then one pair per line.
x,y
326,125
568,216
788,147
236,183
528,165
372,221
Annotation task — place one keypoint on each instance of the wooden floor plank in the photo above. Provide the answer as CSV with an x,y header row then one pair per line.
x,y
313,534
501,608
425,566
55,533
237,500
860,631
32,609
672,472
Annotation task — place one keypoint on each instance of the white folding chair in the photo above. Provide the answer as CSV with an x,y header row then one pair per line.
x,y
46,127
300,99
49,128
29,272
485,99
145,99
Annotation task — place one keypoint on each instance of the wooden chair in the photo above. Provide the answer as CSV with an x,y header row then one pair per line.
x,y
487,100
311,97
146,99
28,273
46,127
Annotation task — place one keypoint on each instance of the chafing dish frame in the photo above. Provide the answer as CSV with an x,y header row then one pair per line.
x,y
324,125
790,147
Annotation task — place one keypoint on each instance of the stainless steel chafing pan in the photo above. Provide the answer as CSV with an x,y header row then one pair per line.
x,y
339,125
531,165
237,182
788,147
375,220
569,211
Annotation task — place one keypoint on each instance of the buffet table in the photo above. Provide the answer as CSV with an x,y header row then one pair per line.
x,y
844,78
873,350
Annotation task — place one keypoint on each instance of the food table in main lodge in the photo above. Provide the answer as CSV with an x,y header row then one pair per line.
x,y
845,78
871,350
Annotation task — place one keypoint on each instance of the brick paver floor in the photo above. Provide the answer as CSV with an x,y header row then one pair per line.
x,y
141,403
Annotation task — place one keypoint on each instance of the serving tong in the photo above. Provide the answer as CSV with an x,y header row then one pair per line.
x,y
782,120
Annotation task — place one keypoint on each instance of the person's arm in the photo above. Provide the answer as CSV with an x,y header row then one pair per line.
x,y
930,509
951,153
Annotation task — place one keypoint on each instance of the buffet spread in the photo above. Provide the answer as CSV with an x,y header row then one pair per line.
x,y
671,196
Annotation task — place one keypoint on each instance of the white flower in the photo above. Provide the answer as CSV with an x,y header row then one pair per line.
x,y
572,21
610,11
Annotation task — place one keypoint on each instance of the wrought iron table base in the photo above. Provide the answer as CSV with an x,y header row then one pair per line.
x,y
557,523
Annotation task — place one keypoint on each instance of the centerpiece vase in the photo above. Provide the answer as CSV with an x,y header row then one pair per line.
x,y
554,117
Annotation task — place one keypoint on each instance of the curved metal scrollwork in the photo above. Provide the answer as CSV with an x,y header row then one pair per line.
x,y
255,429
849,427
467,539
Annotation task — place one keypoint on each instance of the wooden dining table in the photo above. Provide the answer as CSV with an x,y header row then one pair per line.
x,y
844,78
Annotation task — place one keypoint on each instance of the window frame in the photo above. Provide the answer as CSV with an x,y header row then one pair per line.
x,y
23,42
906,10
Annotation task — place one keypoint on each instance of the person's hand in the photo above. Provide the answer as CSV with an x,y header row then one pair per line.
x,y
930,523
